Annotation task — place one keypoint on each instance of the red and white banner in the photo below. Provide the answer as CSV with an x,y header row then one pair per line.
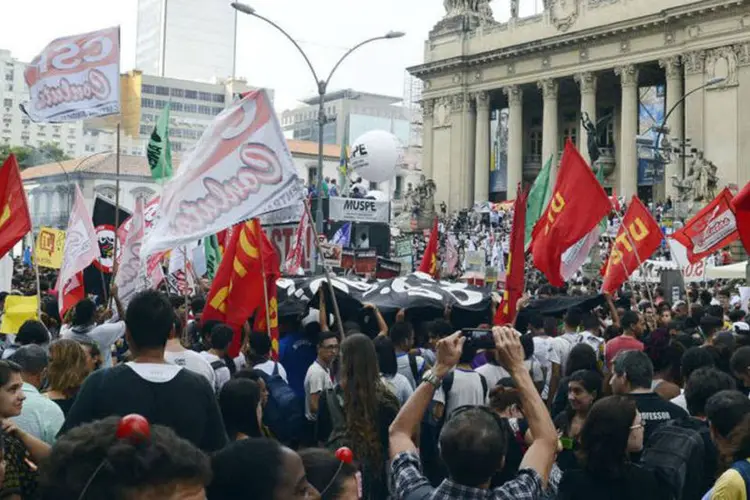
x,y
131,271
294,260
240,168
75,77
154,272
711,229
81,249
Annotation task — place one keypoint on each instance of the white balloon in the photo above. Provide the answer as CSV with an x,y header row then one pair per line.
x,y
376,155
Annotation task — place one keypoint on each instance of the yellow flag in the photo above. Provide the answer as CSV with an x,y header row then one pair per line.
x,y
18,309
50,244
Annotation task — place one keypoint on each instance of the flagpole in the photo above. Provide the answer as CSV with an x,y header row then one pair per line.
x,y
185,339
326,273
35,261
117,201
263,277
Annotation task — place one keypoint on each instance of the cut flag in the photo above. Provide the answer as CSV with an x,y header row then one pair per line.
x,y
81,249
15,221
295,258
159,151
515,278
711,229
237,290
343,236
430,257
741,204
642,239
578,204
537,199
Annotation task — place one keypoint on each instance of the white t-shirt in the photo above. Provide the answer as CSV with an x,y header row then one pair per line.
x,y
495,373
222,374
317,380
545,353
267,366
467,390
399,386
404,368
192,361
563,345
680,400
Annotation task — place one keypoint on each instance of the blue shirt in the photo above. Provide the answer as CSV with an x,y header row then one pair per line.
x,y
296,354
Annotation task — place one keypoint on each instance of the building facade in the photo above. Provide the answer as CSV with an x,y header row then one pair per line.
x,y
186,39
193,106
531,80
17,129
349,114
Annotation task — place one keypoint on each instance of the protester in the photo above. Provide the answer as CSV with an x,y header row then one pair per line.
x,y
84,327
30,332
219,339
728,414
242,409
388,364
179,399
67,370
334,479
318,379
177,354
584,389
632,325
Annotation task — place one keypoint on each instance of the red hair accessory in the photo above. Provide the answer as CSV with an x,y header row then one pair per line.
x,y
345,455
133,428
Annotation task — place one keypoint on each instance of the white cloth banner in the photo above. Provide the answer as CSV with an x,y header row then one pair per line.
x,y
575,257
75,77
131,272
358,210
240,168
81,245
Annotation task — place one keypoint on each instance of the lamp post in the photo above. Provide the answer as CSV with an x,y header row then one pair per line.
x,y
322,86
662,127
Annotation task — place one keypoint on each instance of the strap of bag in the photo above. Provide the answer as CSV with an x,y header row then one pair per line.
x,y
743,467
414,368
275,372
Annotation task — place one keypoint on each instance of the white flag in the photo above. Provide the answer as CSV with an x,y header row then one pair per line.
x,y
575,256
131,272
75,77
81,246
240,168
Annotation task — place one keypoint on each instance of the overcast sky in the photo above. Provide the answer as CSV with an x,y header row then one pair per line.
x,y
324,28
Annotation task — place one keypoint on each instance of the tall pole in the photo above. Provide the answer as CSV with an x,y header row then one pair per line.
x,y
319,188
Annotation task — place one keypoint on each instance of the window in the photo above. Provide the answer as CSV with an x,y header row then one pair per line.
x,y
569,133
216,111
25,121
9,87
159,104
535,143
8,103
219,98
175,132
147,103
205,110
147,89
177,93
373,186
145,130
191,94
89,148
9,76
161,90
176,146
190,108
205,96
399,187
176,106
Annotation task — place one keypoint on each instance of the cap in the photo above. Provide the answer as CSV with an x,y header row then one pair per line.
x,y
31,358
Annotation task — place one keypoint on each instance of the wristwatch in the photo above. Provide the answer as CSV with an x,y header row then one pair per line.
x,y
430,377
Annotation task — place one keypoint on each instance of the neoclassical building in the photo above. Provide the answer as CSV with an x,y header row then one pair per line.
x,y
535,77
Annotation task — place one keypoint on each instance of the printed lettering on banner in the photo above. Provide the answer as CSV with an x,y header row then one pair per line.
x,y
240,168
75,77
358,210
131,272
720,226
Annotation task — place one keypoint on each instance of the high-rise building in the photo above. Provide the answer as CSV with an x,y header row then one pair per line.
x,y
186,39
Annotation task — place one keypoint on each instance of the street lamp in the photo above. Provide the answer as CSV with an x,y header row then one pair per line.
x,y
662,127
322,86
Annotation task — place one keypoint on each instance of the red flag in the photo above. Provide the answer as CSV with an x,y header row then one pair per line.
x,y
741,204
237,290
515,277
430,257
577,205
294,259
15,220
644,233
269,264
711,229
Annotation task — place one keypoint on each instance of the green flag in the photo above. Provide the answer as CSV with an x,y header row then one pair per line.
x,y
213,254
159,151
538,198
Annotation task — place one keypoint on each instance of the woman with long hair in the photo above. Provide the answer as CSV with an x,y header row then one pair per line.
x,y
582,357
584,388
241,408
612,431
388,364
334,479
358,412
67,369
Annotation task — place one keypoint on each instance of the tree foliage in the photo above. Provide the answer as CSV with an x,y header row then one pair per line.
x,y
28,156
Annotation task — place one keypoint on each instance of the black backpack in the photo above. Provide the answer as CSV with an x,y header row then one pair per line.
x,y
676,454
285,412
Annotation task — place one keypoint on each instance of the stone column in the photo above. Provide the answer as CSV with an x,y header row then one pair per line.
x,y
587,84
550,142
428,108
627,164
694,64
673,71
515,138
482,148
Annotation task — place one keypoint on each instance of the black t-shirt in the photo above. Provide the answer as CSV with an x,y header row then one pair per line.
x,y
635,483
655,411
164,394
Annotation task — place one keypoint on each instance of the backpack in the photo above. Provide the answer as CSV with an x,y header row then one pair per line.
x,y
284,413
219,363
743,467
676,454
337,439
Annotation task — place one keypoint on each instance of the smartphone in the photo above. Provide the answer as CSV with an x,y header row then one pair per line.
x,y
479,338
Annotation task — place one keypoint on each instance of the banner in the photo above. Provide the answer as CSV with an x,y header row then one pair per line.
x,y
75,77
131,272
711,229
475,264
50,244
639,237
283,238
358,210
81,249
365,260
387,268
240,168
17,311
330,254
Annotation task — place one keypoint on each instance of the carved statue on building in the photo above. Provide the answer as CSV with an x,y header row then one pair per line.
x,y
592,135
419,206
700,184
514,9
460,7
